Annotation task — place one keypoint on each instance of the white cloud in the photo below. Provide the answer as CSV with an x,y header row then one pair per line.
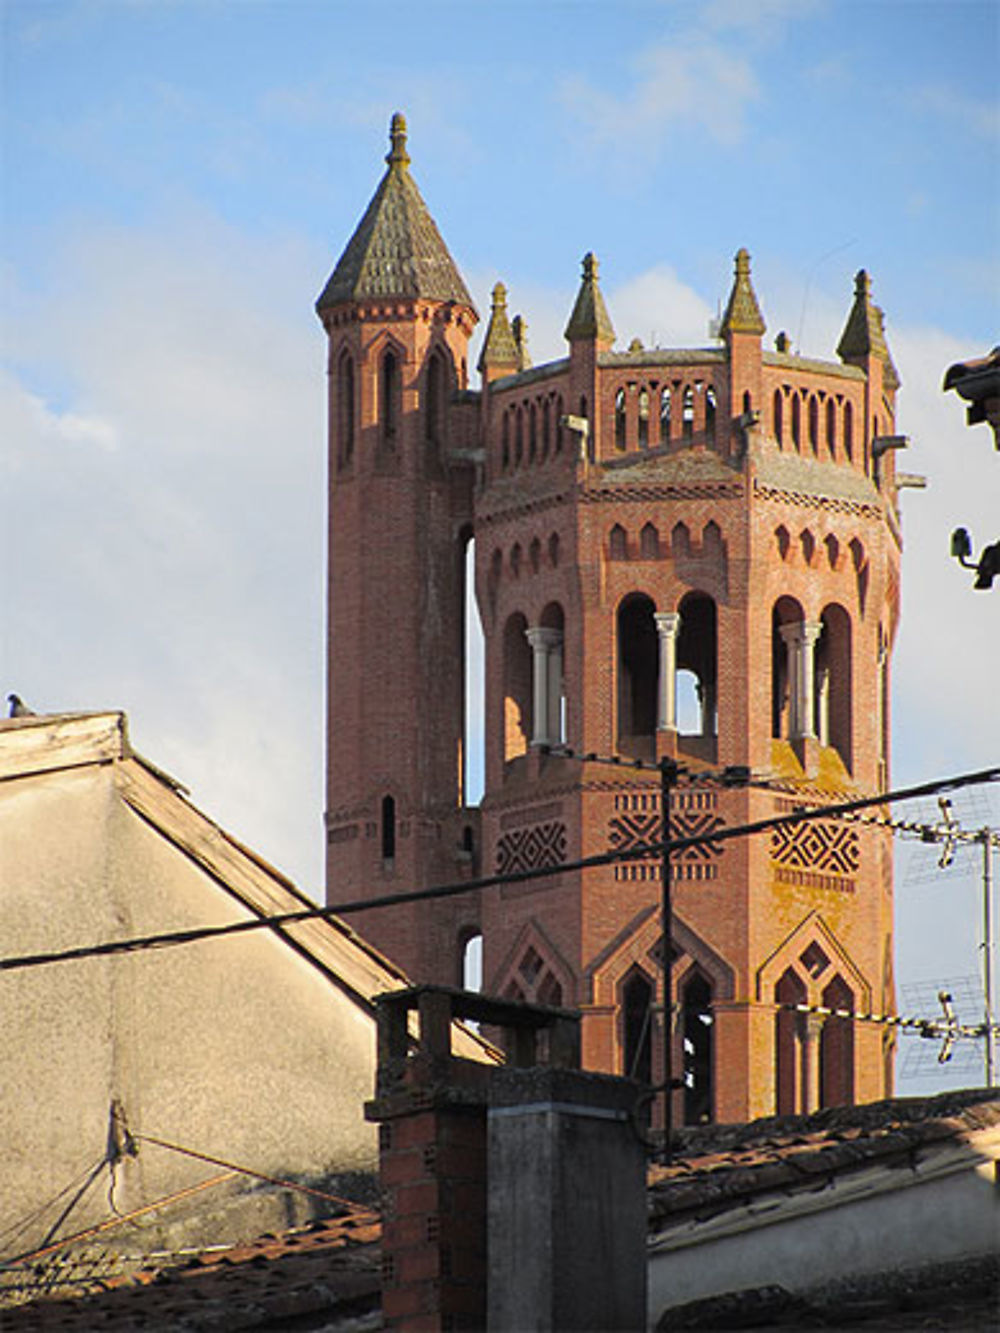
x,y
975,116
686,83
166,521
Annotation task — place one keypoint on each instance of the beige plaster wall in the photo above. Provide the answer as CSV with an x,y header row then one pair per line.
x,y
239,1047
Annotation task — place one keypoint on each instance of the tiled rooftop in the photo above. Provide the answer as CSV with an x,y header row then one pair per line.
x,y
324,1276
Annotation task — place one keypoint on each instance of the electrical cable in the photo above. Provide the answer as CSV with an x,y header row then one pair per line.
x,y
638,852
352,1204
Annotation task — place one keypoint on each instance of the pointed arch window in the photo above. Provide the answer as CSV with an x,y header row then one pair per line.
x,y
620,423
435,401
389,397
665,415
643,418
796,421
778,417
710,405
687,412
345,401
637,1026
697,1029
388,830
831,427
849,431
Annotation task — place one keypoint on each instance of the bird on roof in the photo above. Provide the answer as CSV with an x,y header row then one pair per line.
x,y
18,708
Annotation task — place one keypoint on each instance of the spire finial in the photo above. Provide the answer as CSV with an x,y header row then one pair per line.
x,y
500,354
743,312
397,138
589,319
864,334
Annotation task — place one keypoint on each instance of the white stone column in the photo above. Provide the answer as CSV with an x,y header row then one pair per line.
x,y
668,625
811,630
555,689
541,638
800,642
823,705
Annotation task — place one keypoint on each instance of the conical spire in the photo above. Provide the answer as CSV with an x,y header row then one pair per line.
x,y
500,351
590,317
396,250
863,335
743,312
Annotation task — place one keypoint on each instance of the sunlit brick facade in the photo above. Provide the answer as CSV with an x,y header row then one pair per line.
x,y
678,552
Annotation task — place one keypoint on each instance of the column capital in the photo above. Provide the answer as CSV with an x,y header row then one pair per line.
x,y
543,636
811,630
667,623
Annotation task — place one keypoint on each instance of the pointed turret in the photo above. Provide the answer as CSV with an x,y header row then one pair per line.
x,y
590,320
500,355
743,311
396,249
863,335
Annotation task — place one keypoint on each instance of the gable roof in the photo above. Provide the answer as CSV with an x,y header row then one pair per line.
x,y
33,747
396,249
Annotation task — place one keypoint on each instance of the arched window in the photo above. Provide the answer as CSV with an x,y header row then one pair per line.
x,y
687,412
710,413
517,722
649,542
535,555
620,419
470,960
389,398
515,560
747,401
388,829
637,1026
617,543
345,402
849,430
434,405
554,550
831,427
638,674
789,1046
778,423
643,418
696,1027
532,434
665,415
505,451
833,682
813,423
518,437
787,611
697,651
559,425
836,1047
796,421
546,427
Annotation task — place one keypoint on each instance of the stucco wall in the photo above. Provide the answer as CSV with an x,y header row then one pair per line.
x,y
239,1047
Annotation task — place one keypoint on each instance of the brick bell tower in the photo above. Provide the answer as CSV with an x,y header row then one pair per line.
x,y
402,429
684,552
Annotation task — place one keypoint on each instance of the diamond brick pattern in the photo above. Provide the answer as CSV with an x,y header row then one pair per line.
x,y
531,848
814,846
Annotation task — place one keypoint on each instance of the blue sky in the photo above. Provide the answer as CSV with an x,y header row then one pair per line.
x,y
179,177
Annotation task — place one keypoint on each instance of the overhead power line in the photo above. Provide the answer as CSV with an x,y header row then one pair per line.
x,y
640,851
